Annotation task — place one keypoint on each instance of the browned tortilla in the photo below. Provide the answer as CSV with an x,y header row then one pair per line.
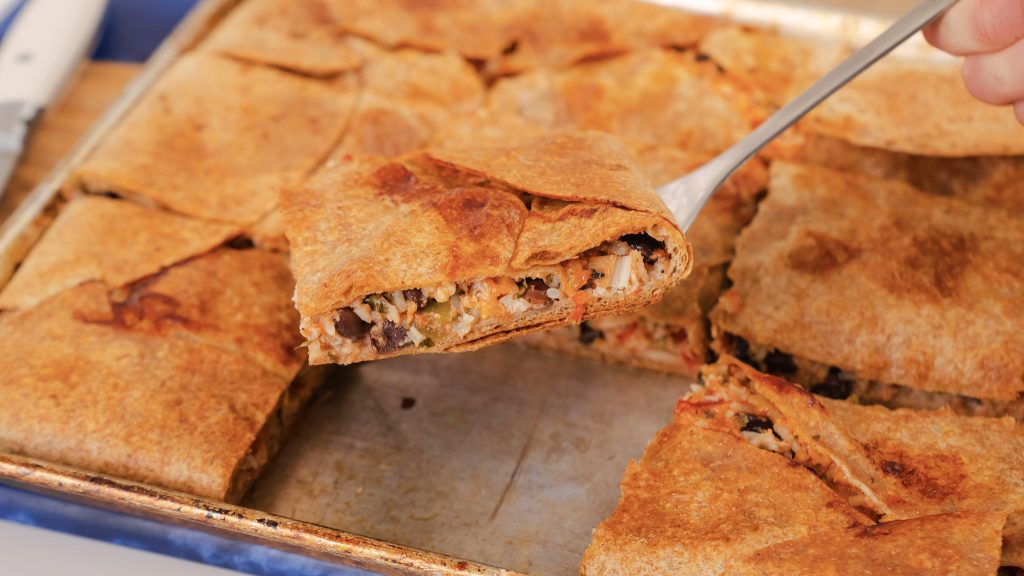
x,y
701,497
117,242
125,401
369,225
217,139
883,281
298,36
960,544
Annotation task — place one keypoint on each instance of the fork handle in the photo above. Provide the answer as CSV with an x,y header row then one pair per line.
x,y
721,167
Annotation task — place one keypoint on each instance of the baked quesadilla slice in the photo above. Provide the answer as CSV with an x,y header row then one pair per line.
x,y
298,36
217,139
703,496
672,335
957,544
452,249
112,399
890,464
114,241
850,285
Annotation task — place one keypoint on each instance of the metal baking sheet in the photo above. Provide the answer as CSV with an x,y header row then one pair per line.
x,y
505,457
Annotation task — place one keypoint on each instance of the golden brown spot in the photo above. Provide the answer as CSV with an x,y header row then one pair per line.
x,y
932,476
396,180
817,253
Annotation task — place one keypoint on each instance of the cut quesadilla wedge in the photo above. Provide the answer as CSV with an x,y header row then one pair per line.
x,y
108,398
671,336
702,496
298,36
114,241
849,285
208,140
892,464
960,544
452,249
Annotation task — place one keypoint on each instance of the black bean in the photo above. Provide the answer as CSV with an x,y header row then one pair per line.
x,y
834,386
702,57
741,351
408,402
779,363
350,325
416,296
391,337
643,244
537,292
588,334
755,423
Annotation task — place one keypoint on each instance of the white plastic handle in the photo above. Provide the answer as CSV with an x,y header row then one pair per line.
x,y
44,45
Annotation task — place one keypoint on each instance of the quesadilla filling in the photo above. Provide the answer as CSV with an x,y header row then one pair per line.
x,y
676,344
832,382
431,315
764,426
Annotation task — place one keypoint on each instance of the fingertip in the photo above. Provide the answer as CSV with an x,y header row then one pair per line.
x,y
979,82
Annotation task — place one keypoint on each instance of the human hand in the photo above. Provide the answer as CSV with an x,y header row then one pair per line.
x,y
990,35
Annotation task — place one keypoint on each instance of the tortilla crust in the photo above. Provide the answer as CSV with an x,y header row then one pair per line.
x,y
217,139
165,411
960,544
993,181
915,463
561,33
96,238
917,108
298,36
882,280
237,300
655,97
700,496
477,29
775,66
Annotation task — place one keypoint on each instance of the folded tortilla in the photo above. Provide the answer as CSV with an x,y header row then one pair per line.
x,y
297,36
917,107
561,33
890,464
671,335
960,544
453,249
994,181
701,497
122,399
654,97
846,284
477,29
217,139
114,241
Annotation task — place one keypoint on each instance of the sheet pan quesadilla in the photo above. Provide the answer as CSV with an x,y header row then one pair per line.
x,y
217,139
849,285
889,464
298,36
672,335
452,249
958,544
122,398
117,242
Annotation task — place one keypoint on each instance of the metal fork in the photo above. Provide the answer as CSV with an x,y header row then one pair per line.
x,y
686,196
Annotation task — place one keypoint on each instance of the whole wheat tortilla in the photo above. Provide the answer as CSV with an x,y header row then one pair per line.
x,y
960,544
883,281
701,497
298,36
82,389
117,242
369,225
217,139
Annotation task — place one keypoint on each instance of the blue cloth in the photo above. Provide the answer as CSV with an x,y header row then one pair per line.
x,y
134,28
